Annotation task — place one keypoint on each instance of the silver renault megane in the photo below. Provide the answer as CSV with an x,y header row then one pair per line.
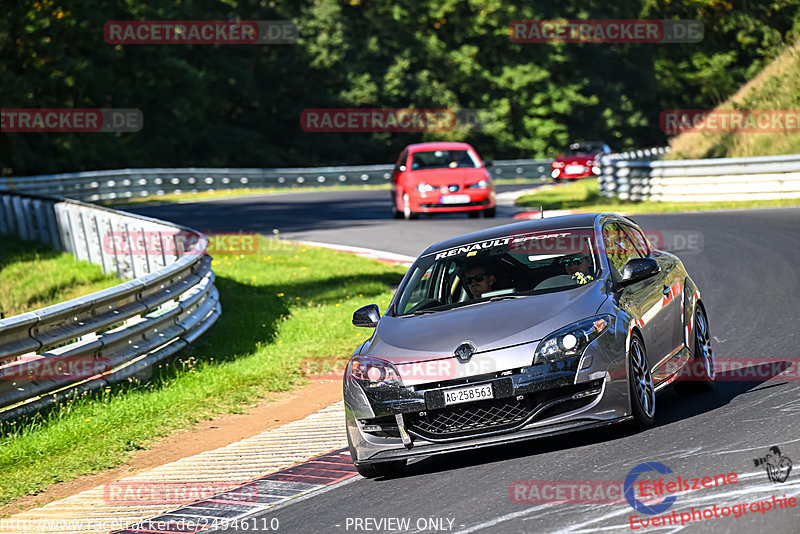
x,y
520,331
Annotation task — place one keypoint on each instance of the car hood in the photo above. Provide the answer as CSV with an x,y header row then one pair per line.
x,y
440,177
489,326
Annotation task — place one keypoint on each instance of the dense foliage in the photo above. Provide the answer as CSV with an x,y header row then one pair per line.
x,y
239,105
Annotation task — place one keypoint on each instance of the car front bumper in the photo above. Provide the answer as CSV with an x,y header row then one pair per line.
x,y
528,402
561,174
432,202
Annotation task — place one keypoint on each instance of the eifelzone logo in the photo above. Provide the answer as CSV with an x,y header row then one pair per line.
x,y
630,495
776,465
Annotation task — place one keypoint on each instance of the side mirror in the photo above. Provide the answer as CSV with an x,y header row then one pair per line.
x,y
638,269
368,316
401,168
488,163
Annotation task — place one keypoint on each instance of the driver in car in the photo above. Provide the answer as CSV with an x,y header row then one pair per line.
x,y
479,280
579,269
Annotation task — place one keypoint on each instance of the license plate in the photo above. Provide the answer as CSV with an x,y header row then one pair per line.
x,y
574,169
468,394
454,199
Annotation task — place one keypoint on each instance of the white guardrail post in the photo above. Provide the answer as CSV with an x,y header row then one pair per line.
x,y
113,334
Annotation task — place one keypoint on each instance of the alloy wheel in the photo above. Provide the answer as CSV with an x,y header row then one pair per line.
x,y
642,379
704,343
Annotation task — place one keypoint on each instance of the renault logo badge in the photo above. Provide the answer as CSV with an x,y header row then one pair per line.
x,y
465,351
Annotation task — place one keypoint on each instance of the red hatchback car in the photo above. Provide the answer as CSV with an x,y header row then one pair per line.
x,y
441,178
580,162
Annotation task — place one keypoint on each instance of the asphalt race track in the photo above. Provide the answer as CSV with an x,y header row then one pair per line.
x,y
747,264
357,218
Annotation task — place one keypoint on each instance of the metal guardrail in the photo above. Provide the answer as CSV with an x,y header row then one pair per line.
x,y
643,154
722,179
94,186
113,334
534,169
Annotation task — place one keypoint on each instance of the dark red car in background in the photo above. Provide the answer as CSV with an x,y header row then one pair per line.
x,y
580,161
441,178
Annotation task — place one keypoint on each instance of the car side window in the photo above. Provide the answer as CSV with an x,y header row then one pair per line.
x,y
639,241
619,248
423,291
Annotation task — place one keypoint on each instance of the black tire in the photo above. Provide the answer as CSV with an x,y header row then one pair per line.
x,y
640,384
473,214
381,469
490,213
700,370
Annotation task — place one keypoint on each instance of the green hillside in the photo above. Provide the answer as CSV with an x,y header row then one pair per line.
x,y
776,87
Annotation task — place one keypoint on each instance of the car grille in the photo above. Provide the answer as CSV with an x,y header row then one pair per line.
x,y
474,417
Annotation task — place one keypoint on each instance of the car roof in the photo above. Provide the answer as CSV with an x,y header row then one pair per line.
x,y
581,220
450,145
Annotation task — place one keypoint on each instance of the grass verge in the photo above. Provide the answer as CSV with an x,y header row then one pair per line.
x,y
32,275
585,195
285,309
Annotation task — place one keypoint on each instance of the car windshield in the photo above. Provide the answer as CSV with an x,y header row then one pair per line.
x,y
506,267
443,159
585,149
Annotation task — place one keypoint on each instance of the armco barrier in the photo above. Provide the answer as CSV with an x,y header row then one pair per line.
x,y
93,186
723,179
642,154
116,333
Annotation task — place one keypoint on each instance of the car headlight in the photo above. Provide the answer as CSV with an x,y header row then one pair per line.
x,y
571,340
373,372
483,184
425,188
